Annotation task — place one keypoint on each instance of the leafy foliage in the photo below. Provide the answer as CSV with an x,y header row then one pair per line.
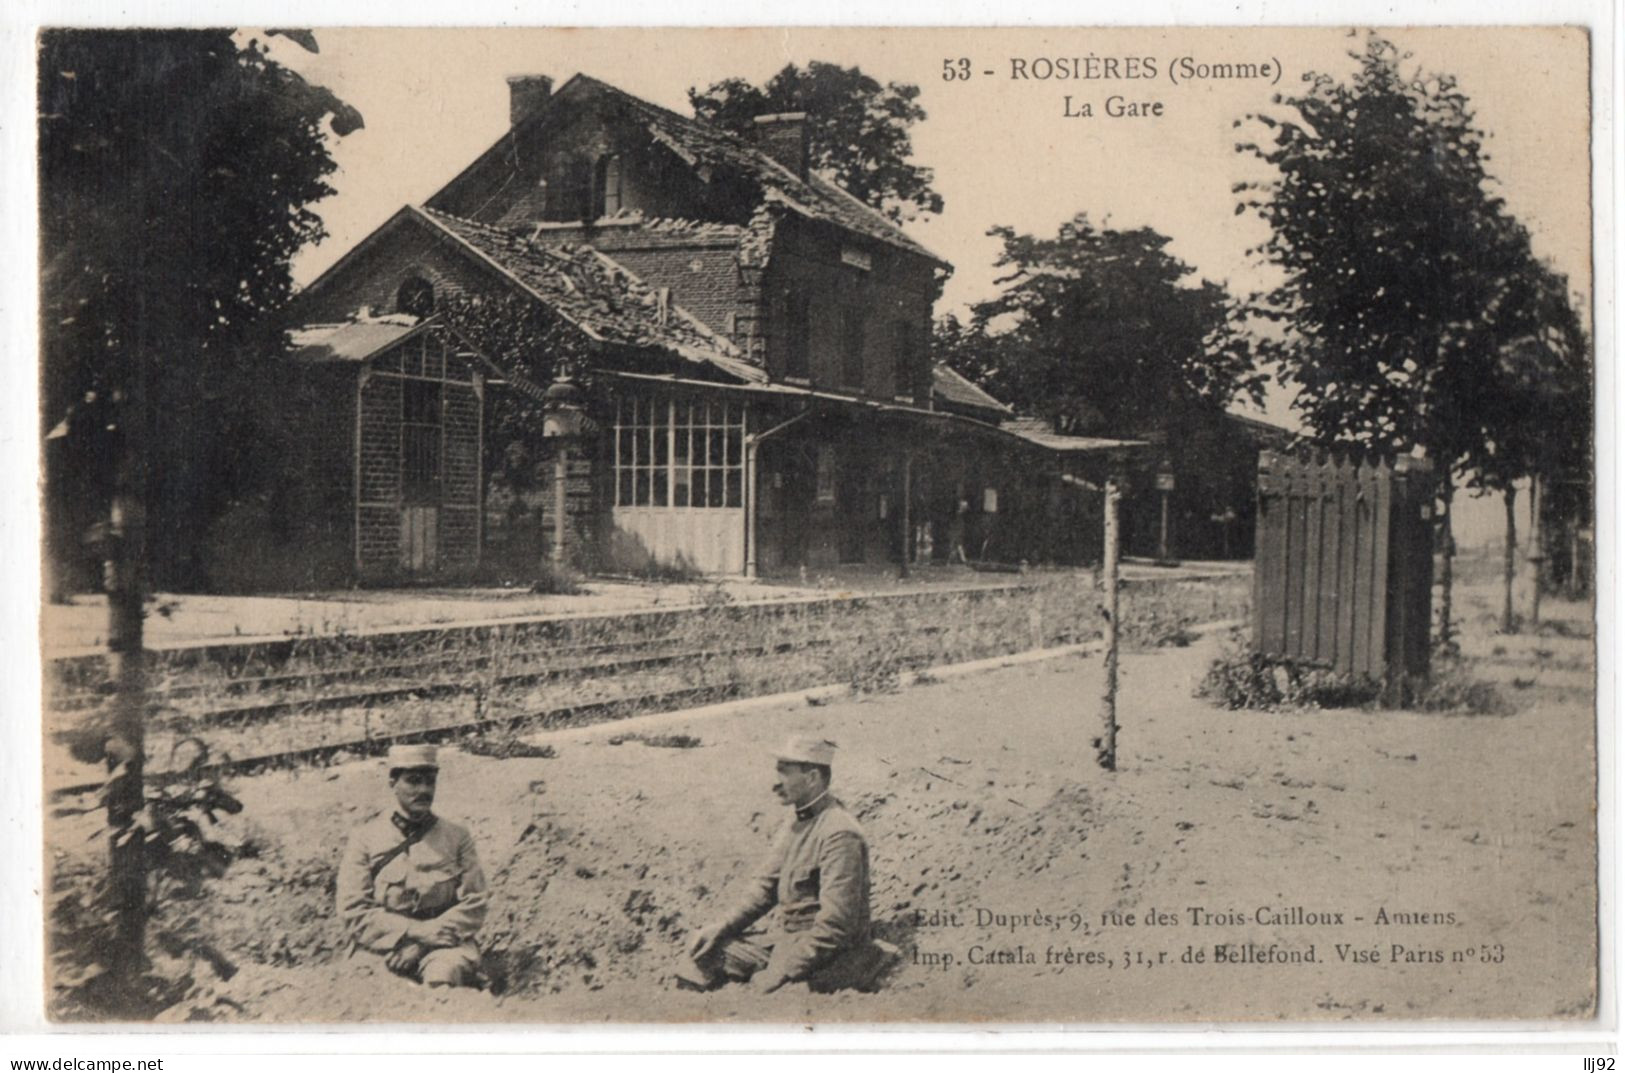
x,y
180,854
1098,328
1542,373
1250,680
519,335
1403,278
177,171
1104,332
858,130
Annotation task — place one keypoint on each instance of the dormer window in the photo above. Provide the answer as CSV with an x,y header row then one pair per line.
x,y
415,296
607,186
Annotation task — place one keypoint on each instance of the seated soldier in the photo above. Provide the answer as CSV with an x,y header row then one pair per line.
x,y
410,885
817,874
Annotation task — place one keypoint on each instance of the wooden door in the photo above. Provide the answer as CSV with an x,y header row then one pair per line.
x,y
420,533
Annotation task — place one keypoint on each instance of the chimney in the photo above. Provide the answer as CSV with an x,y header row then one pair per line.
x,y
784,138
526,93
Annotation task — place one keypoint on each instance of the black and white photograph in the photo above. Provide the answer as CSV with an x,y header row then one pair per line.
x,y
817,526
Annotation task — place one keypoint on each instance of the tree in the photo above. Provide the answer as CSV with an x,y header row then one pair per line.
x,y
177,170
858,130
1394,255
1102,331
1098,328
176,173
1542,429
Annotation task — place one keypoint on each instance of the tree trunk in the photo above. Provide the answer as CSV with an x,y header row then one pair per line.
x,y
126,591
1447,492
1537,553
1575,589
1508,621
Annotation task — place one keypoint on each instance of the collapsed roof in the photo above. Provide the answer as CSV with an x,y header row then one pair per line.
x,y
595,293
581,285
710,151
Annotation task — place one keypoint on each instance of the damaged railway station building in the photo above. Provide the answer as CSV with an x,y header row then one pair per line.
x,y
725,366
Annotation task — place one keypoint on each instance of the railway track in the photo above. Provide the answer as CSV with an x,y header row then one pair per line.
x,y
370,743
314,678
164,709
310,703
80,681
359,722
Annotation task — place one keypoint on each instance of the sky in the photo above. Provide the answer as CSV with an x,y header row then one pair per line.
x,y
1008,146
1002,148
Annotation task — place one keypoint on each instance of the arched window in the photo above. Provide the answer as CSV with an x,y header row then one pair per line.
x,y
416,297
607,185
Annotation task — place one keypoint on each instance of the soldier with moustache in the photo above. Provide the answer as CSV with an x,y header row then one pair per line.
x,y
410,887
817,877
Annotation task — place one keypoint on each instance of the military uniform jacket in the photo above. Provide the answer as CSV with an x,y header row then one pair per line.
x,y
386,881
817,873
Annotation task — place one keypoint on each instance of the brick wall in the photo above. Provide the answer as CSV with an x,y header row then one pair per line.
x,y
704,281
460,472
896,288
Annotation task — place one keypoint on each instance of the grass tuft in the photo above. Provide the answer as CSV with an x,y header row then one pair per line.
x,y
659,741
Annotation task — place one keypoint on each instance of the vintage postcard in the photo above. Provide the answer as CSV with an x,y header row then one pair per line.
x,y
818,525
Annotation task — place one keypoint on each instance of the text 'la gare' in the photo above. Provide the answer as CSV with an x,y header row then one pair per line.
x,y
1116,107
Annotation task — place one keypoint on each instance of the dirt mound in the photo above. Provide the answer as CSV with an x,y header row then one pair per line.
x,y
274,909
979,797
340,991
575,912
1051,837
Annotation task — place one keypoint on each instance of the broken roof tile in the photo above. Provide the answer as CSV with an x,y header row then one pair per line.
x,y
703,146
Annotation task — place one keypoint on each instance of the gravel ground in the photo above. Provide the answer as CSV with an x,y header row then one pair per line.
x,y
1006,864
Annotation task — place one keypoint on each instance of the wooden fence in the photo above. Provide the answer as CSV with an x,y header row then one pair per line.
x,y
1343,572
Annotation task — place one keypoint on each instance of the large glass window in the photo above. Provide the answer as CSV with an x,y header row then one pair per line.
x,y
420,440
679,452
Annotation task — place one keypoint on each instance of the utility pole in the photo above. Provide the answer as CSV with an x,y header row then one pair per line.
x,y
1106,754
